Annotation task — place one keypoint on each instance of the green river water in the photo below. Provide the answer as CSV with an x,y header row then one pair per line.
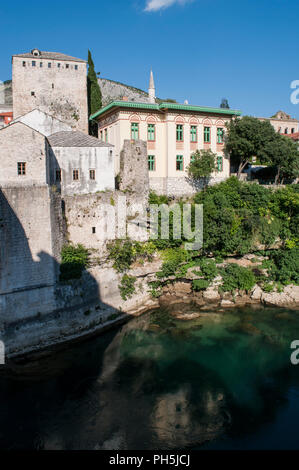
x,y
221,381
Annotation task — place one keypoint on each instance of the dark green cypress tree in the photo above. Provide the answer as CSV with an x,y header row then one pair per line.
x,y
94,95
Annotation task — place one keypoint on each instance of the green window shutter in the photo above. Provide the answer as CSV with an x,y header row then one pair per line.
x,y
134,131
179,163
207,135
193,133
219,163
220,134
179,133
151,163
192,158
151,132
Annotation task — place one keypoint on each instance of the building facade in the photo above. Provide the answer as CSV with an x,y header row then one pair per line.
x,y
52,82
74,162
283,123
173,132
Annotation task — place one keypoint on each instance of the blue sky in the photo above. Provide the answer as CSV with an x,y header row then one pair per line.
x,y
200,50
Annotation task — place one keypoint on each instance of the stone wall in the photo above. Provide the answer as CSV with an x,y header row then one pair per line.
x,y
31,237
179,186
20,143
134,167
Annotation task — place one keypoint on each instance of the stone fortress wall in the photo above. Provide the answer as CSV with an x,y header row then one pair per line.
x,y
35,221
59,89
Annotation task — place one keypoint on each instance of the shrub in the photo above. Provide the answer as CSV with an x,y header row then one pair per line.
x,y
173,258
127,286
200,284
208,268
237,277
286,269
124,253
73,260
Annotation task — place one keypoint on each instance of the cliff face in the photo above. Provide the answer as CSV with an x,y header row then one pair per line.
x,y
112,90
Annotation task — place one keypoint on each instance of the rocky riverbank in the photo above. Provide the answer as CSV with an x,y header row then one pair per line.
x,y
86,310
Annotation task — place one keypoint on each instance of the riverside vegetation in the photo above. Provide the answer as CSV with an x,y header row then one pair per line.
x,y
239,219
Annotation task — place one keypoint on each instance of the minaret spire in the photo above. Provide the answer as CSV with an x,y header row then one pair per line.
x,y
151,89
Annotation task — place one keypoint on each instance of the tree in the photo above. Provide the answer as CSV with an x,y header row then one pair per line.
x,y
224,104
284,157
94,95
247,138
203,163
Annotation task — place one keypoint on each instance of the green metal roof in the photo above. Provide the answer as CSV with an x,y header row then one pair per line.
x,y
164,106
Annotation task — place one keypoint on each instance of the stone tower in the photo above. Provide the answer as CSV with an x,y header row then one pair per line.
x,y
151,89
52,82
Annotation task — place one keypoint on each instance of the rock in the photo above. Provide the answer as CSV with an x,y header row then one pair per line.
x,y
256,293
293,293
276,299
227,303
211,295
182,288
242,300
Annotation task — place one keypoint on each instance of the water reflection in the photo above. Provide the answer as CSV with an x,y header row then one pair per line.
x,y
160,383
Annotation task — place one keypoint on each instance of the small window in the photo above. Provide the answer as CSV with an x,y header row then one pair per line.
x,y
286,130
49,65
76,67
58,175
40,64
52,86
219,163
58,65
24,63
21,168
179,133
292,130
111,153
193,133
220,135
106,136
151,163
207,135
151,132
179,163
101,135
92,174
33,93
93,230
33,63
134,131
67,66
75,175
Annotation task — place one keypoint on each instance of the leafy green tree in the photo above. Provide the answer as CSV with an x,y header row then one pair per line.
x,y
284,157
224,104
94,95
247,138
202,165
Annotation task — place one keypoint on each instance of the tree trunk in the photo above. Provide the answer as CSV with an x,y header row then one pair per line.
x,y
277,177
241,168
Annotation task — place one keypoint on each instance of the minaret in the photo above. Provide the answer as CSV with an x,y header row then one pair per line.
x,y
151,89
